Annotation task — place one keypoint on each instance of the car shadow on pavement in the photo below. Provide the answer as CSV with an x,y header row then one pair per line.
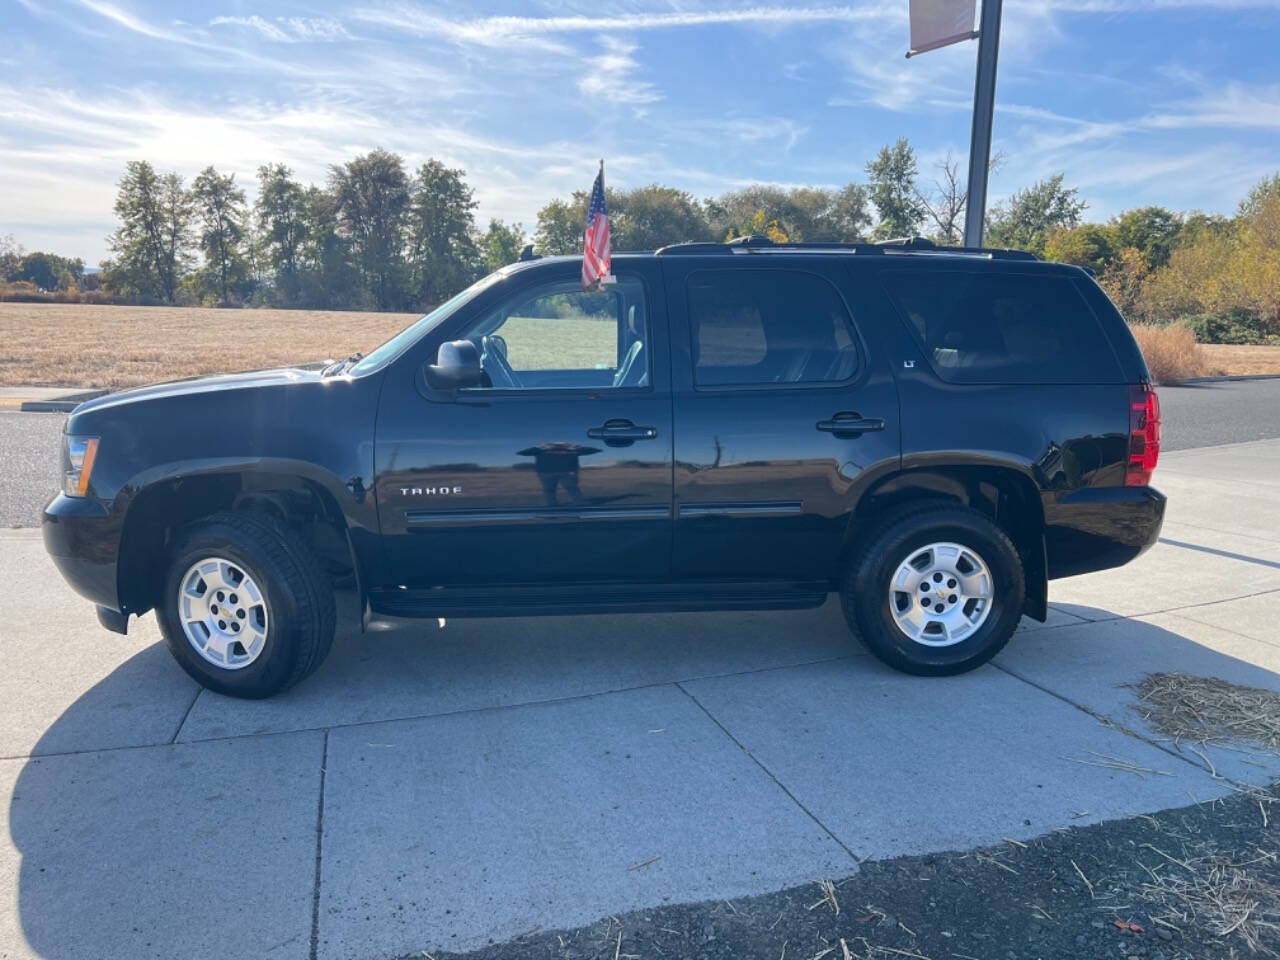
x,y
207,846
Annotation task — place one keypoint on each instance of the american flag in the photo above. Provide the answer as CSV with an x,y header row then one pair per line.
x,y
597,251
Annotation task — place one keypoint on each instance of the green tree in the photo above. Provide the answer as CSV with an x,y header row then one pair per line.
x,y
1152,231
152,243
1027,219
891,178
1091,245
501,244
328,271
815,214
443,257
371,199
650,217
48,271
561,225
281,212
220,205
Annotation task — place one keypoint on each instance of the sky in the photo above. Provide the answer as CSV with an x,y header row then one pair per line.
x,y
1175,102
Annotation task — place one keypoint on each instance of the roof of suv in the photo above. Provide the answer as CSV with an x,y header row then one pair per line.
x,y
917,249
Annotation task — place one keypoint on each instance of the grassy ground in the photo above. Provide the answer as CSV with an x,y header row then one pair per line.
x,y
1228,358
103,346
46,344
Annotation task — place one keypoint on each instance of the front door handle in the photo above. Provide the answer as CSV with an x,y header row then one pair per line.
x,y
850,424
621,433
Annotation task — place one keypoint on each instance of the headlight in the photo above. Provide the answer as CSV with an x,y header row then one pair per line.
x,y
81,452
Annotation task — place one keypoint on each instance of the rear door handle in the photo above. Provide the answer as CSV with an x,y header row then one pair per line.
x,y
850,424
621,432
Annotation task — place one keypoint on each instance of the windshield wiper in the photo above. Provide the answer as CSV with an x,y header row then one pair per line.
x,y
333,369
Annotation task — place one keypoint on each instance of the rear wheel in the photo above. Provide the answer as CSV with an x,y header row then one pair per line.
x,y
936,589
247,610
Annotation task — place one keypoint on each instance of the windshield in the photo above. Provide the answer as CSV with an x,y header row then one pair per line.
x,y
410,334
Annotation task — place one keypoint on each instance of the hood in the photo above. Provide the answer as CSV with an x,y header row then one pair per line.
x,y
284,376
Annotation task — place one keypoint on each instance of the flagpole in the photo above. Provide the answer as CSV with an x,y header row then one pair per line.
x,y
984,102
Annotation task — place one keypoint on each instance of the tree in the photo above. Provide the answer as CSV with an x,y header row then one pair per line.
x,y
152,242
947,203
11,254
651,216
814,214
48,271
1027,219
758,226
443,257
1089,245
892,180
220,205
281,212
1152,231
561,225
371,198
501,244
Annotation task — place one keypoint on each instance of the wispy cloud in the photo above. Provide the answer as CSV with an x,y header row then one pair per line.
x,y
287,29
501,31
608,77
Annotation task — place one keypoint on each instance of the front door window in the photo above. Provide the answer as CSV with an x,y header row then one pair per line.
x,y
559,337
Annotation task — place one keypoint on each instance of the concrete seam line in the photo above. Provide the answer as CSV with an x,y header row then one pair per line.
x,y
183,722
768,773
315,893
1117,726
1234,633
323,728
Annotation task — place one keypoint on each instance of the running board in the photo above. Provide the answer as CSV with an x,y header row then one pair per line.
x,y
527,600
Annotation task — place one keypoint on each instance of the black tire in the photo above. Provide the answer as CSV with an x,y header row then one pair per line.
x,y
866,600
297,595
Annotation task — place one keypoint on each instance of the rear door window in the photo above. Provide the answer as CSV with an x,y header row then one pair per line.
x,y
995,327
756,327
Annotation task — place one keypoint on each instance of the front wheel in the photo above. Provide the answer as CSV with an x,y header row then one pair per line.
x,y
937,589
247,610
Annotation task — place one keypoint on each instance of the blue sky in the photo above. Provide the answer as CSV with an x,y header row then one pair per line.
x,y
1136,101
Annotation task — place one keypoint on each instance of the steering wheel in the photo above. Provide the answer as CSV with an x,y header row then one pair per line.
x,y
493,360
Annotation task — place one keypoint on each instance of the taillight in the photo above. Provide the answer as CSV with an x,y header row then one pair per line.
x,y
1144,435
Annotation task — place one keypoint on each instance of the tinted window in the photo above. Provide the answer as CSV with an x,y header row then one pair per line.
x,y
557,336
1003,328
768,326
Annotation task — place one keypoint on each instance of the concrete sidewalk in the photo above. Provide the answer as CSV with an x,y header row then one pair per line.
x,y
433,788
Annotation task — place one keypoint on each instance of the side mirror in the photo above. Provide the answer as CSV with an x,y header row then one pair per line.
x,y
457,366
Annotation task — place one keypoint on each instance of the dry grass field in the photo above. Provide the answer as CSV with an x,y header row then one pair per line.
x,y
105,346
50,344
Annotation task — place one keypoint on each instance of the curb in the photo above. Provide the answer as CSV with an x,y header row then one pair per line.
x,y
1228,378
44,400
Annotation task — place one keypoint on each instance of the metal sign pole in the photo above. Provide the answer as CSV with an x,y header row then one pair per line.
x,y
984,102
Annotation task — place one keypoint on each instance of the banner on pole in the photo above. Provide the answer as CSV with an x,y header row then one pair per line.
x,y
937,23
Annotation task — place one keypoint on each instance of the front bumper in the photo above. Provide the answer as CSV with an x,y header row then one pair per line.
x,y
83,538
1097,528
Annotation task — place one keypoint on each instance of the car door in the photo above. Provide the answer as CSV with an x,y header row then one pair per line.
x,y
558,468
782,408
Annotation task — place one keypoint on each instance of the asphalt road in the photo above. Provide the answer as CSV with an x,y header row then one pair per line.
x,y
28,465
1202,415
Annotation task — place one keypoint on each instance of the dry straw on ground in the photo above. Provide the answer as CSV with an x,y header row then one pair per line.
x,y
1232,897
1209,710
1227,897
1171,351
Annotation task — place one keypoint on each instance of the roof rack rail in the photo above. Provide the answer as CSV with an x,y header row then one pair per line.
x,y
760,244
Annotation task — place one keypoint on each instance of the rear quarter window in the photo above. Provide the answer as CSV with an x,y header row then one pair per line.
x,y
996,327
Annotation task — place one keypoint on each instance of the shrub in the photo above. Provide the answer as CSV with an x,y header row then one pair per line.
x,y
1171,351
1230,326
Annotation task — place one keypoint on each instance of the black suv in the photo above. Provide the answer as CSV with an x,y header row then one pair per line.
x,y
933,433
